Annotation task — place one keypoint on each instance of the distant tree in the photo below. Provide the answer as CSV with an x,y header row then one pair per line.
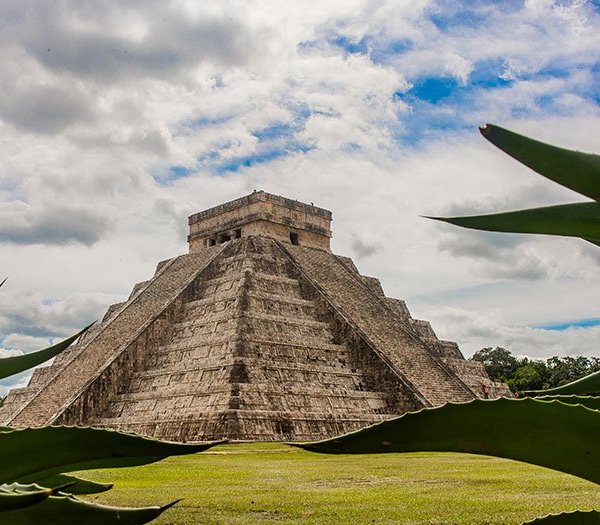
x,y
530,375
566,369
499,363
527,374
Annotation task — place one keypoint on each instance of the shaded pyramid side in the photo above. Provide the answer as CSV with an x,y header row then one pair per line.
x,y
471,373
352,299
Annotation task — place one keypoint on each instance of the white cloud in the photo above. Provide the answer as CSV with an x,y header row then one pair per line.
x,y
98,101
476,330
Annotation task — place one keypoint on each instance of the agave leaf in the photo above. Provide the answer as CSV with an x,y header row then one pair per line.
x,y
44,452
13,365
573,169
78,486
592,402
11,499
589,384
578,517
536,432
17,496
580,219
58,510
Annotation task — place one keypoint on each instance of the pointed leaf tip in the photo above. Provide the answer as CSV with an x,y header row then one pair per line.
x,y
572,169
485,129
169,505
443,219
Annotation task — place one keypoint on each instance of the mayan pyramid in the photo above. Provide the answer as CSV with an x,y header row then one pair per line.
x,y
259,333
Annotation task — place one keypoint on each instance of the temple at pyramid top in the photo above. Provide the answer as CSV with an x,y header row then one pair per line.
x,y
260,332
261,214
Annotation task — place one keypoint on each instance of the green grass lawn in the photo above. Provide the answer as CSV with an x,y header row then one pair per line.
x,y
273,483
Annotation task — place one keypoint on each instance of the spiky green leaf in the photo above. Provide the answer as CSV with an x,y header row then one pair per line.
x,y
543,433
573,169
19,363
592,402
589,384
578,517
581,219
58,510
11,499
78,486
44,452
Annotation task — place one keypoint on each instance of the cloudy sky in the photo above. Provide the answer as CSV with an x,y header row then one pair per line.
x,y
116,123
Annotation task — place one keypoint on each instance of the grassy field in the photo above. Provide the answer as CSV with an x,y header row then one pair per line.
x,y
273,483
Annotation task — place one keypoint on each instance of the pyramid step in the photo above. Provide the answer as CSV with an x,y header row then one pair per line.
x,y
191,360
367,418
313,424
369,313
177,354
292,321
100,351
206,377
278,298
265,263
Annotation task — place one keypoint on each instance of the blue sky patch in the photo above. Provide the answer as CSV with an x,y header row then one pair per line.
x,y
468,18
580,323
350,46
205,122
246,161
433,89
275,131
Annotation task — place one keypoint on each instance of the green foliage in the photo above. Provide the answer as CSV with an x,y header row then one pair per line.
x,y
499,363
524,375
77,485
53,509
569,368
531,374
44,454
592,402
74,448
13,365
572,169
529,430
589,384
12,499
581,219
579,172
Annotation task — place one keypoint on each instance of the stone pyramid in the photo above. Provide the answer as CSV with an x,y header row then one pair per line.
x,y
259,333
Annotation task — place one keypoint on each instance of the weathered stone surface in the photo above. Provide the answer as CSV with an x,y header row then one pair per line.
x,y
252,339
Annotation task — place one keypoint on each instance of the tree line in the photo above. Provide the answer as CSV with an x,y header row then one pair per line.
x,y
533,374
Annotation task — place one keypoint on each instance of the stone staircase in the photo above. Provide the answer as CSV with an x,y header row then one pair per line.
x,y
355,300
247,358
249,340
56,388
